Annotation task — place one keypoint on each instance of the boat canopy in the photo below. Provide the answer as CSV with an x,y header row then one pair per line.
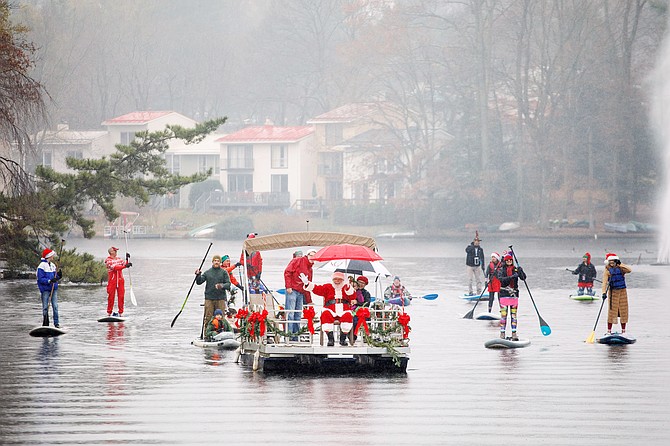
x,y
311,238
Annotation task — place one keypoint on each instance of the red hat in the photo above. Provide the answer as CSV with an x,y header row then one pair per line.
x,y
47,253
252,235
339,275
508,256
362,279
610,256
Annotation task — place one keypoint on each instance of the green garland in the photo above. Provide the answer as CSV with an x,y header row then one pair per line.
x,y
246,334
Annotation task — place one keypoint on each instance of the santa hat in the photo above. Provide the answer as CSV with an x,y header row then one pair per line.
x,y
610,256
338,275
508,256
495,255
47,253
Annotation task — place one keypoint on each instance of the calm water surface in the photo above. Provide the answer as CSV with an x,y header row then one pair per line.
x,y
141,382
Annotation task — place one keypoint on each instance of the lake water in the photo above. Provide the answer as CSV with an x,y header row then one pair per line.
x,y
141,382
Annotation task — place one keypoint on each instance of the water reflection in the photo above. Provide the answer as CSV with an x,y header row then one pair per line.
x,y
618,354
115,333
509,359
48,351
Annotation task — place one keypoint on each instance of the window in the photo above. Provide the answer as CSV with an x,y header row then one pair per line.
x,y
279,183
279,156
172,163
46,159
240,156
334,190
241,182
334,134
206,162
76,154
127,137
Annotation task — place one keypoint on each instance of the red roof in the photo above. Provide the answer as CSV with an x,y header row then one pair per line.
x,y
348,112
268,133
138,117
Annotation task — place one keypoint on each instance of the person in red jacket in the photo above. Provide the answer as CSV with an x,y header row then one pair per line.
x,y
116,285
296,295
492,278
337,299
254,261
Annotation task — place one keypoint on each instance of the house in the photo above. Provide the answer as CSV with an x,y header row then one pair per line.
x,y
268,166
54,147
357,151
180,158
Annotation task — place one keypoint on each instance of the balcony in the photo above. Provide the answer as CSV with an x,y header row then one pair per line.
x,y
228,200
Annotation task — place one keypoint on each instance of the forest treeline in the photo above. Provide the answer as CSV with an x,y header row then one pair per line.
x,y
546,103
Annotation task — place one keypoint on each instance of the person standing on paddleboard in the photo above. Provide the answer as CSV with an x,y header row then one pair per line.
x,y
614,278
587,272
217,281
492,278
47,282
116,285
509,276
474,261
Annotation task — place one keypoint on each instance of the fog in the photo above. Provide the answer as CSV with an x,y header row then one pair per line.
x,y
547,102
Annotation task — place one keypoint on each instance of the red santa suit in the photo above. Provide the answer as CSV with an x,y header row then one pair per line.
x,y
116,283
336,303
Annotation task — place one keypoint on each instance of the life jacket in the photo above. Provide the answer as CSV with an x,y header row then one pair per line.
x,y
217,324
617,280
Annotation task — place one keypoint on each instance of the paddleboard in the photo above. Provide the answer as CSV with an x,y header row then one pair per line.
x,y
507,343
474,297
584,297
617,339
45,332
488,316
111,319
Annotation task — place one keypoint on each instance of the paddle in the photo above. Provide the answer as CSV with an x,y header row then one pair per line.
x,y
191,289
592,336
546,330
45,319
130,277
429,297
470,313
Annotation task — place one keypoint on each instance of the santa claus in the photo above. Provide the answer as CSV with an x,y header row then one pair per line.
x,y
337,300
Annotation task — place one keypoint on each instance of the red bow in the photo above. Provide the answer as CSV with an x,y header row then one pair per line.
x,y
403,320
362,314
308,313
241,314
257,318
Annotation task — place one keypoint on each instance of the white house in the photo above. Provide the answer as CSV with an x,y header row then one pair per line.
x,y
54,147
268,166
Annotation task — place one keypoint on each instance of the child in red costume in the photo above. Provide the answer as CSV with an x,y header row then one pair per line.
x,y
337,300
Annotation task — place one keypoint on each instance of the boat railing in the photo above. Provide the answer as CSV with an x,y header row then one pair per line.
x,y
382,324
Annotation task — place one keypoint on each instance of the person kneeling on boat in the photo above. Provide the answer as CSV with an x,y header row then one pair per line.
x,y
509,276
217,325
337,297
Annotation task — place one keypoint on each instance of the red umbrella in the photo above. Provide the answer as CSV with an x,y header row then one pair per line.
x,y
346,251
